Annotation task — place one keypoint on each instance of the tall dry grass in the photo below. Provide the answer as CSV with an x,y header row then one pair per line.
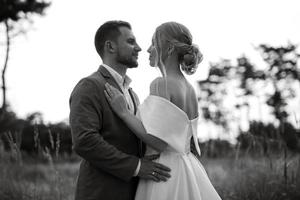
x,y
256,178
41,178
236,177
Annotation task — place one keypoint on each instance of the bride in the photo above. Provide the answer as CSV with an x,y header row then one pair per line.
x,y
167,119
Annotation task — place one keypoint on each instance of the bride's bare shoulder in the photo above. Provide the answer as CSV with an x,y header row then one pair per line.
x,y
156,86
161,87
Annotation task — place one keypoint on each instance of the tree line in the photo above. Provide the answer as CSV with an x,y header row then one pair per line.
x,y
274,86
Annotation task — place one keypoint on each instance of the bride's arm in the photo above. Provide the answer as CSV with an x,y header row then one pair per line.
x,y
135,125
119,106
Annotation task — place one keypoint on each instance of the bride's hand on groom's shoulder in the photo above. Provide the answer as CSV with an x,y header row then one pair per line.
x,y
153,170
116,100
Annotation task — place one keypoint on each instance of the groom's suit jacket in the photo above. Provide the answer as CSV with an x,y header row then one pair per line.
x,y
108,148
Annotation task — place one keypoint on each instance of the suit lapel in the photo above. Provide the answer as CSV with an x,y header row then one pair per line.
x,y
142,145
109,78
133,100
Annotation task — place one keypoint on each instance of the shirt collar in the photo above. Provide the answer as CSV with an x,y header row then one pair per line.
x,y
123,82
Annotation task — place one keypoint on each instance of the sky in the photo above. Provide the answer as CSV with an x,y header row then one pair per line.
x,y
47,62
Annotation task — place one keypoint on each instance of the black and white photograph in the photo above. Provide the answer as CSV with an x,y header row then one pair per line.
x,y
150,100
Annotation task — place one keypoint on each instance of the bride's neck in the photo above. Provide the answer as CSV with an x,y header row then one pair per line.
x,y
172,67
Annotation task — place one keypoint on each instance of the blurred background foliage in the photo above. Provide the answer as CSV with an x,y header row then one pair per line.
x,y
258,103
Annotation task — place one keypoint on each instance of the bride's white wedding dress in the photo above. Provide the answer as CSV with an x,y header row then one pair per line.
x,y
189,180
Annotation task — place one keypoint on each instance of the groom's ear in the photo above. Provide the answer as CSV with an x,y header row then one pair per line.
x,y
110,46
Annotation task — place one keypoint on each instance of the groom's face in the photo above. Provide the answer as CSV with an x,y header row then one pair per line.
x,y
128,48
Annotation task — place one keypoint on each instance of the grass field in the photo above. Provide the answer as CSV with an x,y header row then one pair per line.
x,y
245,178
37,181
255,178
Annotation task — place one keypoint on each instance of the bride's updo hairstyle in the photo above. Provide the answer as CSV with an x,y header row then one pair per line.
x,y
176,35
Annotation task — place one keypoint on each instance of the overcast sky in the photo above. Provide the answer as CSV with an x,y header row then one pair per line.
x,y
46,64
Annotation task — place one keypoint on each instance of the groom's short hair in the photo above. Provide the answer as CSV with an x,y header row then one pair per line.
x,y
108,31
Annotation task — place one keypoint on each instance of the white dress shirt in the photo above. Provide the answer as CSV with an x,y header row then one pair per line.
x,y
123,83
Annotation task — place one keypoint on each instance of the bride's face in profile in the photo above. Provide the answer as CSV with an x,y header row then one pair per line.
x,y
153,54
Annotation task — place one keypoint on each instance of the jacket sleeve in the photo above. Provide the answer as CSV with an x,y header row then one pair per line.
x,y
86,124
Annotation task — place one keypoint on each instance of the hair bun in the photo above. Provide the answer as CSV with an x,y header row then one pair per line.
x,y
191,60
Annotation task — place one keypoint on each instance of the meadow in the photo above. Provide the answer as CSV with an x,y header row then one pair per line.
x,y
242,177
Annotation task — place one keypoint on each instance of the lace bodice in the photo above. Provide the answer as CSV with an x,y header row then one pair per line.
x,y
168,122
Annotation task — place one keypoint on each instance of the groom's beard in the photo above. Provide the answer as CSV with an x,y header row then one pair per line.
x,y
129,61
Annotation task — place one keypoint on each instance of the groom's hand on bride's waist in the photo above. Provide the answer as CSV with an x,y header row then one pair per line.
x,y
153,170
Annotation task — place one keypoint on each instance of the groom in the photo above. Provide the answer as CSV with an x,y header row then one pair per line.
x,y
111,153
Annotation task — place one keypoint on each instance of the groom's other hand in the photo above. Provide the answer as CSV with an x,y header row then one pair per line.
x,y
153,170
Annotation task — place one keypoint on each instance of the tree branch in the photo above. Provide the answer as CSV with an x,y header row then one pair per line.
x,y
5,65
